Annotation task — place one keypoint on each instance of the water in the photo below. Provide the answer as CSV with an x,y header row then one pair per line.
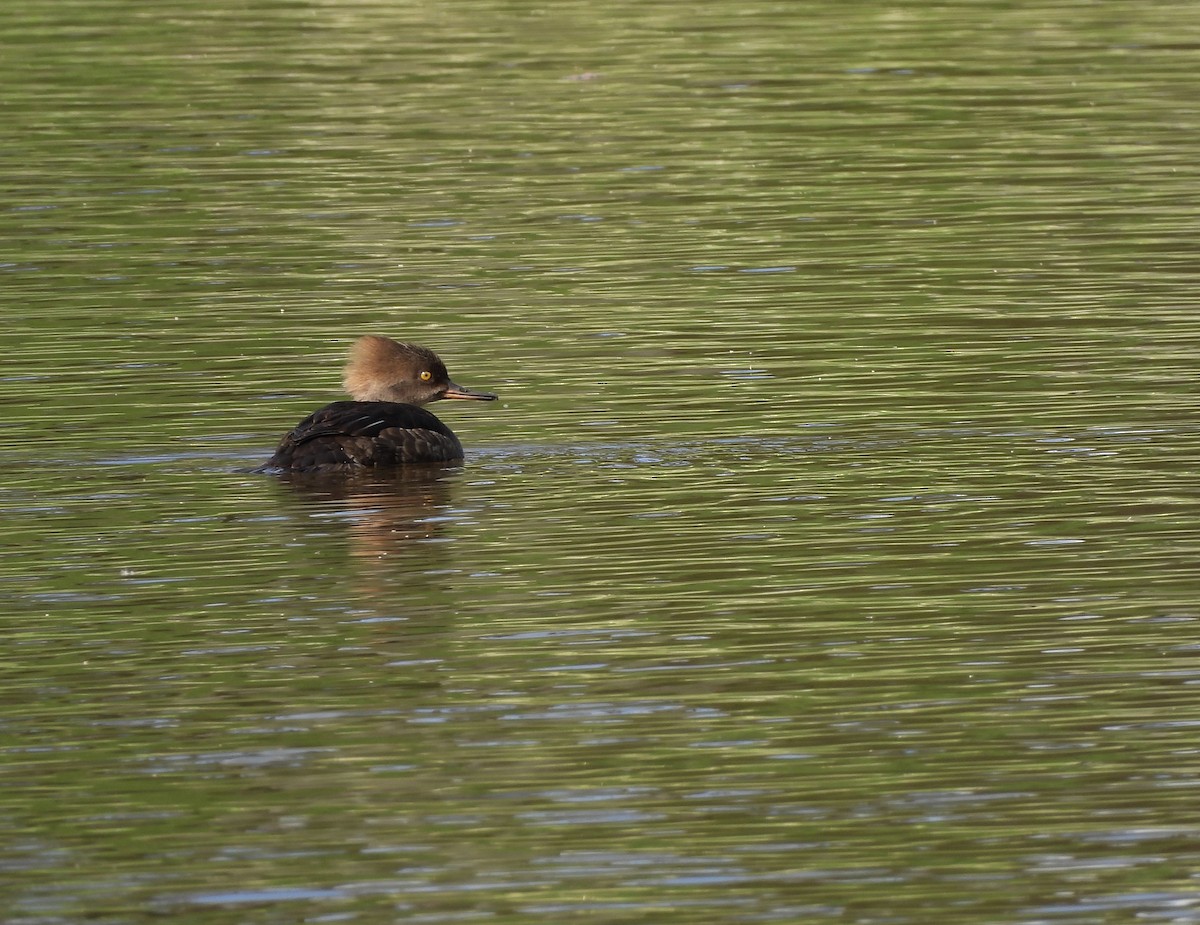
x,y
829,557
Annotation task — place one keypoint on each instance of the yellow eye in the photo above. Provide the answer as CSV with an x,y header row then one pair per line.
x,y
426,376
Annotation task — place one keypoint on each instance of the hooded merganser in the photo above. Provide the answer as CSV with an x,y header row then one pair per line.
x,y
383,425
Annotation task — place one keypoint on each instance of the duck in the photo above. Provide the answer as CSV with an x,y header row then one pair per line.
x,y
384,424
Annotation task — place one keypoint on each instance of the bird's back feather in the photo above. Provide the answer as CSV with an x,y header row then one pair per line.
x,y
366,434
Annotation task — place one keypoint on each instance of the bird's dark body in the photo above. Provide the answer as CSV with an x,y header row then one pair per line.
x,y
365,434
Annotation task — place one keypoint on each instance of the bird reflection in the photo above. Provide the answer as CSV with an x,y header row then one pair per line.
x,y
370,554
383,514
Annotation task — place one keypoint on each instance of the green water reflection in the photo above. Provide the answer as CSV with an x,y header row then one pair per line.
x,y
830,556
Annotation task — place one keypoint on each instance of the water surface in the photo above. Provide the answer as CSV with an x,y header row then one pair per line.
x,y
829,557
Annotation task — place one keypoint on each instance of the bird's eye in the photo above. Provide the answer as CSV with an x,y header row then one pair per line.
x,y
426,376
